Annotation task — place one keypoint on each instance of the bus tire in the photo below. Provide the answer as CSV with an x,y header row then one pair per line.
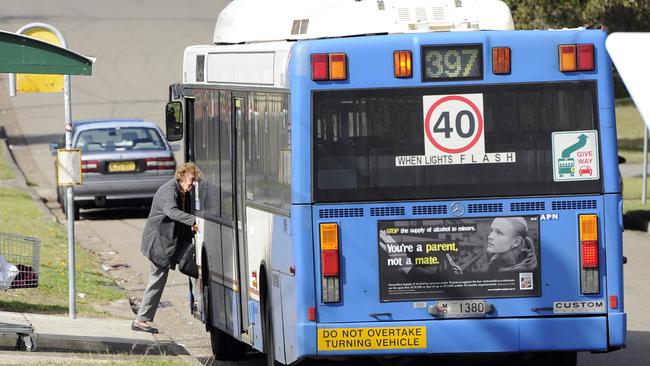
x,y
224,346
267,324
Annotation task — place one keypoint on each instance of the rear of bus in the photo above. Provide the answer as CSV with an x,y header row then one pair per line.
x,y
459,193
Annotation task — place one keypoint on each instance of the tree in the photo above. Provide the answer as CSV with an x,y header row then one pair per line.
x,y
612,15
541,14
618,15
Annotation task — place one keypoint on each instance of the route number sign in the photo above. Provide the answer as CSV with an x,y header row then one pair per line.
x,y
442,63
453,124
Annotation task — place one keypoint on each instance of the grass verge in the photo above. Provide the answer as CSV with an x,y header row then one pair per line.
x,y
632,195
20,215
5,171
629,129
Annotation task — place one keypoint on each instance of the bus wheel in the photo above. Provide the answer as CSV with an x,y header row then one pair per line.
x,y
224,346
267,324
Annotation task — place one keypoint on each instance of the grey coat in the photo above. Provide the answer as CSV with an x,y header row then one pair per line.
x,y
164,229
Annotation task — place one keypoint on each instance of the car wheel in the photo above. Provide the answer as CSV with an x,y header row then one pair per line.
x,y
77,215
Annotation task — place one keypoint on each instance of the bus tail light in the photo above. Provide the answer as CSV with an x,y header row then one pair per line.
x,y
319,66
568,57
589,254
403,64
330,264
613,302
578,57
589,272
329,66
586,57
90,166
501,60
338,66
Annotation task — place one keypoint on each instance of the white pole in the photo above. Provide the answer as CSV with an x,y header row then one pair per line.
x,y
70,201
68,145
644,181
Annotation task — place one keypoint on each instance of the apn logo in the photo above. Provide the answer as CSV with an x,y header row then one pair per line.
x,y
549,216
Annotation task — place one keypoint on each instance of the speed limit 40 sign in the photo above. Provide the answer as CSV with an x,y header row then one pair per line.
x,y
453,124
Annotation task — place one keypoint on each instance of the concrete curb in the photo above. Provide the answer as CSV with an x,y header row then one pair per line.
x,y
104,336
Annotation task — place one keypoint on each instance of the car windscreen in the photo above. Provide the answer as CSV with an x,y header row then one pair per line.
x,y
119,139
490,141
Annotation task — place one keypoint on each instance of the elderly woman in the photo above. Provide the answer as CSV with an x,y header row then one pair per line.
x,y
167,229
509,247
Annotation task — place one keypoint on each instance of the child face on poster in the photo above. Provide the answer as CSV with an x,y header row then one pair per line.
x,y
505,234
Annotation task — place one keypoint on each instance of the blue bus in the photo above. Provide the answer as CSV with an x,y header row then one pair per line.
x,y
384,178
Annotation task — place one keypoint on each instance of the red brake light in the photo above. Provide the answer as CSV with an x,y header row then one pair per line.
x,y
586,57
330,263
320,66
90,166
165,163
613,302
589,254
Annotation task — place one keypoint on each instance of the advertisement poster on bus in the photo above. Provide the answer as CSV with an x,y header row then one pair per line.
x,y
459,258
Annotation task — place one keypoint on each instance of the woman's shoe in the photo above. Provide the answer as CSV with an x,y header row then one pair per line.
x,y
143,328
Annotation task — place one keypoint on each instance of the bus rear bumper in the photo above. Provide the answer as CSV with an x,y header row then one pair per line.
x,y
584,333
617,323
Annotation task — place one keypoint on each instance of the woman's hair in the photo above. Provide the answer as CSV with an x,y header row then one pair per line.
x,y
188,168
519,224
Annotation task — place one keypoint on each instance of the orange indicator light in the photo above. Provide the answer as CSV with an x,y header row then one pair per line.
x,y
403,64
338,66
501,60
568,58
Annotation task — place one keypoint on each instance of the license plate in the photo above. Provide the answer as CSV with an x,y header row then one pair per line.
x,y
121,166
460,309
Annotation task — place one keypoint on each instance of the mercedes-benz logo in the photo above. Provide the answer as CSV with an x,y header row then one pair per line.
x,y
457,209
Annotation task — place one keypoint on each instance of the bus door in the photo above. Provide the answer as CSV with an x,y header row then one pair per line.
x,y
239,103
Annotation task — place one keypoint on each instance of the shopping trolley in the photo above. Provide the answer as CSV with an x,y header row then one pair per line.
x,y
23,252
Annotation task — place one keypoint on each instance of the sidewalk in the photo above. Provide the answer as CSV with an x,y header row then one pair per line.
x,y
60,333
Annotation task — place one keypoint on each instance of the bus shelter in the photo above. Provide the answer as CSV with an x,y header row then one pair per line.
x,y
22,54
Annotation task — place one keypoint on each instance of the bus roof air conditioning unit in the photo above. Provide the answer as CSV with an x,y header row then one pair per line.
x,y
248,21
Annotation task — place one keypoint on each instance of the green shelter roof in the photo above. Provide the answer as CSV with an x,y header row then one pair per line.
x,y
23,54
